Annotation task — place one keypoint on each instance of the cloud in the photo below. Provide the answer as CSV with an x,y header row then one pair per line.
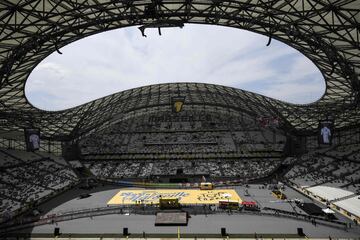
x,y
295,92
122,59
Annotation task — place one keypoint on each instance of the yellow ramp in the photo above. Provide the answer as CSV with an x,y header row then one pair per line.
x,y
129,196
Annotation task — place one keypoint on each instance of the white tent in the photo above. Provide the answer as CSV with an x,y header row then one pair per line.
x,y
328,211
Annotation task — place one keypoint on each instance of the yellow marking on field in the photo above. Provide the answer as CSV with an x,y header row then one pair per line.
x,y
184,196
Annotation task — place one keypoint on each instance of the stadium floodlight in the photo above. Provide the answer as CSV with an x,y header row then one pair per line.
x,y
269,41
57,48
161,24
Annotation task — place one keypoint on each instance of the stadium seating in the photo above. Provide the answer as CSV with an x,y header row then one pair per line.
x,y
321,169
323,172
213,168
346,151
198,143
330,175
186,132
28,178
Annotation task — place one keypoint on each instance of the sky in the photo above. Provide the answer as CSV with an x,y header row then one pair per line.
x,y
122,59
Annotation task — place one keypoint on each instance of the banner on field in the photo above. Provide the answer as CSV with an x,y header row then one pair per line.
x,y
184,196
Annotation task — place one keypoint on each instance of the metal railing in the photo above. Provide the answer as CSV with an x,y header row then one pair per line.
x,y
194,209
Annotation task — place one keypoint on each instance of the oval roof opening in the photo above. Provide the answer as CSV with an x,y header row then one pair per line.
x,y
122,59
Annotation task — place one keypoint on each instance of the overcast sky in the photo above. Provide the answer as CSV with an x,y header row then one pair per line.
x,y
122,59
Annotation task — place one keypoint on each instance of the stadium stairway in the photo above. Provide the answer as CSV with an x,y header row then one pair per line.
x,y
351,183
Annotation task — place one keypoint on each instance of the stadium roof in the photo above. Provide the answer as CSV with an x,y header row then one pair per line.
x,y
327,32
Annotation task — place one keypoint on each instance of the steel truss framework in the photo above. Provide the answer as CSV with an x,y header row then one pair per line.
x,y
326,31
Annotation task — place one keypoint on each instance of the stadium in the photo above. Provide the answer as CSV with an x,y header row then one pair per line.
x,y
181,160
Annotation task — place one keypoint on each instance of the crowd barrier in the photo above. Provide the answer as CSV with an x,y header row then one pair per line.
x,y
136,184
148,210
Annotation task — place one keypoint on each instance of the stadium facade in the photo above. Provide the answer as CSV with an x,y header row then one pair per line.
x,y
326,32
